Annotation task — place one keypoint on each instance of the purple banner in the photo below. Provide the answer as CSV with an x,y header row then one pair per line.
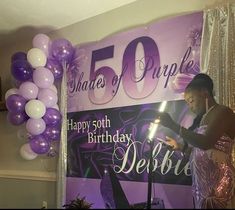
x,y
146,64
118,137
112,100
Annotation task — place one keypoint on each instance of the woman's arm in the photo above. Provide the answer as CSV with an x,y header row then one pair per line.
x,y
219,123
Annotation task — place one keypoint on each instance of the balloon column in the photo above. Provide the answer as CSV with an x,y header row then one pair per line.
x,y
35,100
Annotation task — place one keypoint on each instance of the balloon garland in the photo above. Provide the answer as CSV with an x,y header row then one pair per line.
x,y
35,100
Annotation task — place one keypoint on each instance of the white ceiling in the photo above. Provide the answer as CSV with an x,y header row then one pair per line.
x,y
18,15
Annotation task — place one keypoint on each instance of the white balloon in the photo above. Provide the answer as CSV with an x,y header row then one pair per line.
x,y
36,57
11,92
27,153
35,109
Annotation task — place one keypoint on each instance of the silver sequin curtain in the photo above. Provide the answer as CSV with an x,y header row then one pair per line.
x,y
218,51
62,160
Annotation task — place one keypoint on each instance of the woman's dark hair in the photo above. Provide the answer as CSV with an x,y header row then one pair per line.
x,y
201,81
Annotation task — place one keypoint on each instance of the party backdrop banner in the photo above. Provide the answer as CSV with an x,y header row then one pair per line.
x,y
114,93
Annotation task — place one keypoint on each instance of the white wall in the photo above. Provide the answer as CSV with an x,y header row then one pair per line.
x,y
133,15
21,174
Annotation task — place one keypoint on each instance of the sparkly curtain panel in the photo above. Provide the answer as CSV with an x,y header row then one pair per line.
x,y
62,160
218,51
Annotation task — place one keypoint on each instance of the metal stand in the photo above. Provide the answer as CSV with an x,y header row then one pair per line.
x,y
150,176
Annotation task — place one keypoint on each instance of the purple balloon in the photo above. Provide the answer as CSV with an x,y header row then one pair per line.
x,y
43,77
52,132
18,56
55,67
54,149
62,50
48,97
17,118
21,70
15,103
35,126
52,116
39,144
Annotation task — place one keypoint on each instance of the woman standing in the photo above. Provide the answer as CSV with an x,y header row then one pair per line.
x,y
213,174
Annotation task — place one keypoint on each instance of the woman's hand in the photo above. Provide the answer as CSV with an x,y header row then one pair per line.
x,y
173,143
165,120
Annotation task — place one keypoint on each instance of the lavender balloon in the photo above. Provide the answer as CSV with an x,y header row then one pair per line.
x,y
52,116
21,70
54,88
43,77
56,107
39,144
11,92
42,42
48,97
16,118
15,103
35,126
55,67
18,56
62,50
28,90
